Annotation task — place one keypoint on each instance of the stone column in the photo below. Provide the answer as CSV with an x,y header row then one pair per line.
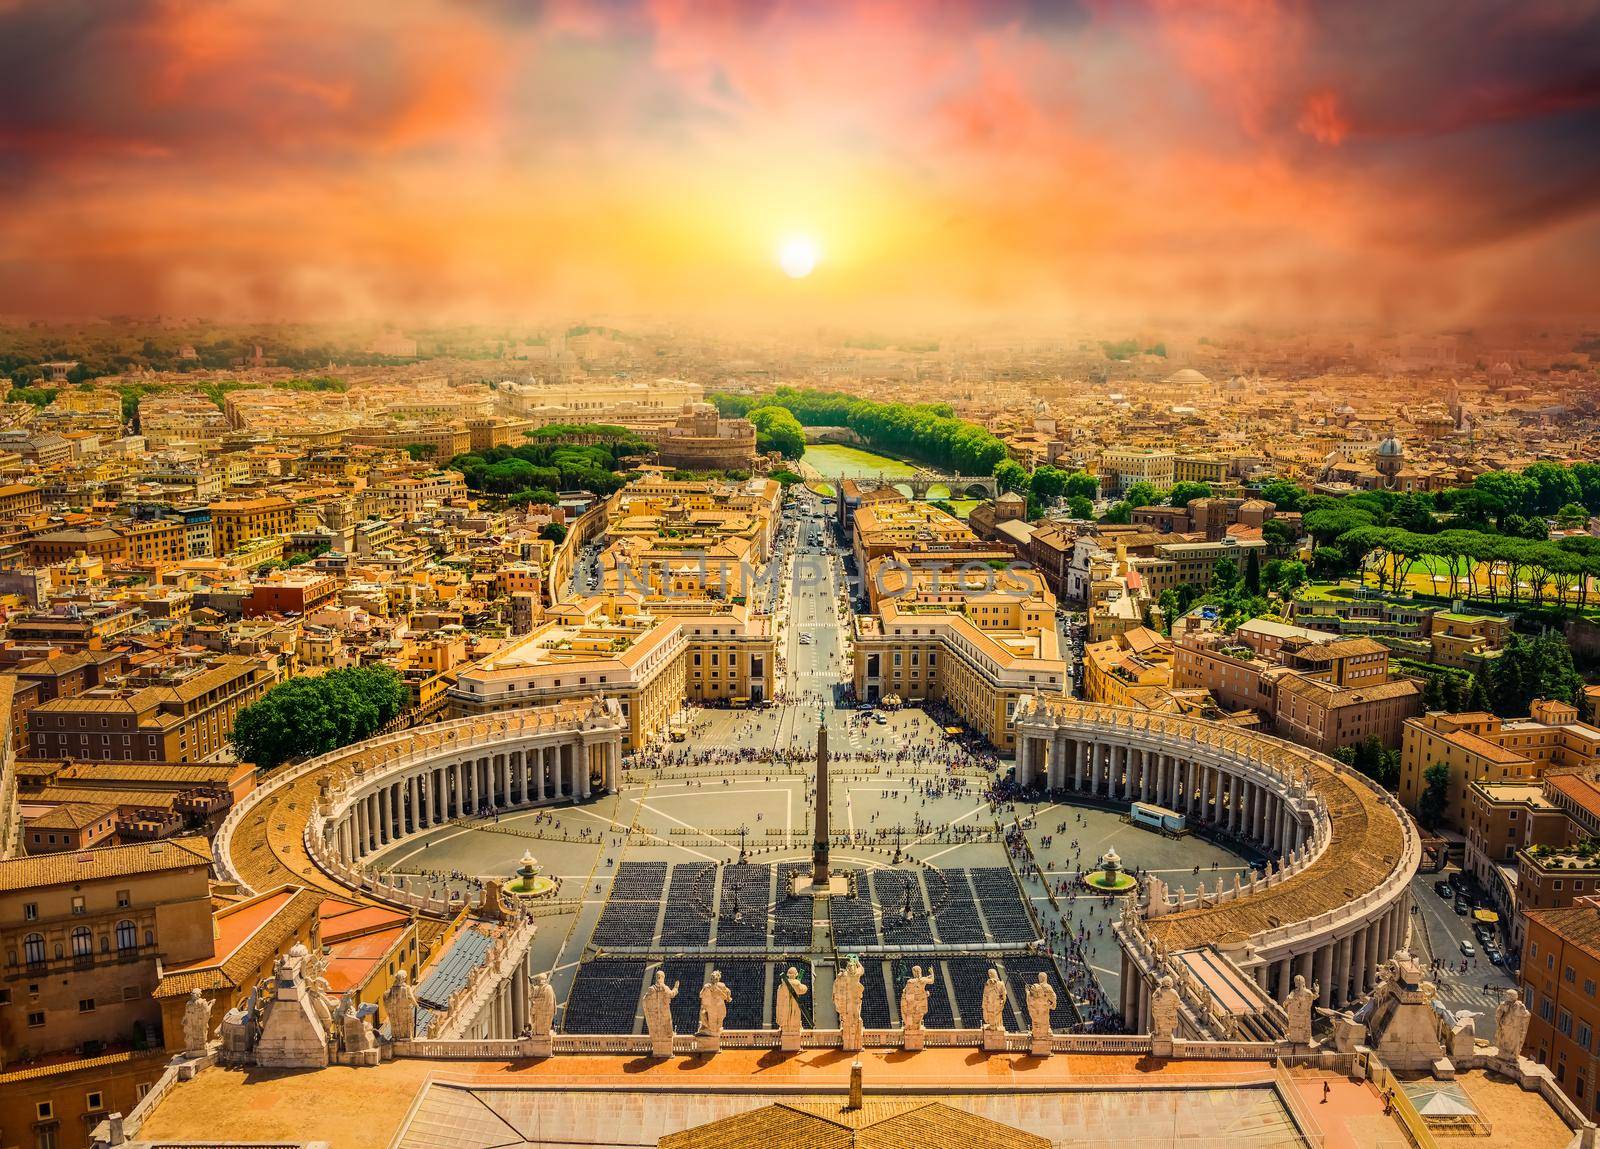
x,y
1080,752
505,780
1339,992
1325,975
538,777
360,813
586,770
1285,978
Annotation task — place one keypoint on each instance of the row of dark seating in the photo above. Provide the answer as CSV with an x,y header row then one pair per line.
x,y
1001,902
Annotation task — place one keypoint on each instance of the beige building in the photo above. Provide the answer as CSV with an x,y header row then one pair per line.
x,y
188,720
1478,746
649,658
978,642
83,936
235,522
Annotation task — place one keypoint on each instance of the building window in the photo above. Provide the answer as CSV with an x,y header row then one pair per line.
x,y
35,1019
77,904
33,949
127,935
94,1102
30,910
86,1005
82,942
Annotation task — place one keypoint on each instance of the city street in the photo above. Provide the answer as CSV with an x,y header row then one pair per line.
x,y
1437,932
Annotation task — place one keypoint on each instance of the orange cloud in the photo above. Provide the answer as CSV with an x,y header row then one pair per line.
x,y
1230,158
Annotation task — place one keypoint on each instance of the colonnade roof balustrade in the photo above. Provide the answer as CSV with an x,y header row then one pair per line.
x,y
1372,851
261,843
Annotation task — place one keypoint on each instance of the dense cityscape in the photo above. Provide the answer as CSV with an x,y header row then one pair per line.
x,y
508,641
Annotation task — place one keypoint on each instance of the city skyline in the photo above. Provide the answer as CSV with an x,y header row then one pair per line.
x,y
1093,163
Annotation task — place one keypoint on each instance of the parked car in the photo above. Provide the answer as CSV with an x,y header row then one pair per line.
x,y
1467,949
1462,907
1444,889
1494,955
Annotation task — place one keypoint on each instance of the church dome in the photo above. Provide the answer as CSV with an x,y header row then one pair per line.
x,y
1391,447
1188,376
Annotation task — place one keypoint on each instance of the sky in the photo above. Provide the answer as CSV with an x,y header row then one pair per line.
x,y
1413,162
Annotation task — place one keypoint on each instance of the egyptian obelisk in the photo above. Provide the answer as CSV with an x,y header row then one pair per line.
x,y
820,876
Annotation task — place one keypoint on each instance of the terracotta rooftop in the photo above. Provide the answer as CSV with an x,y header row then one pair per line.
x,y
105,862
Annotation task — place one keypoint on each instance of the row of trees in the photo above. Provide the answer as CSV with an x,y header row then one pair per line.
x,y
927,431
1478,563
308,716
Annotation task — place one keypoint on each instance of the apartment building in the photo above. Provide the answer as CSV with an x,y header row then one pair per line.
x,y
63,545
1476,745
186,719
1122,468
83,936
1320,693
1560,976
157,542
235,522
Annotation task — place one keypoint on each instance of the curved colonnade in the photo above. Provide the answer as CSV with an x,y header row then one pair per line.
x,y
323,817
1331,906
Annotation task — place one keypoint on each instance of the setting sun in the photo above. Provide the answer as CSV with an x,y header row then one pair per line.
x,y
798,256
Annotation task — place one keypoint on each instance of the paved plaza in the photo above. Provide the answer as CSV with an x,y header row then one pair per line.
x,y
903,796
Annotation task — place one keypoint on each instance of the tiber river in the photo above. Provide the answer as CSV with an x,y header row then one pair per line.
x,y
832,461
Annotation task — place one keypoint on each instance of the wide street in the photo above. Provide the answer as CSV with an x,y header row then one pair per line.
x,y
1437,933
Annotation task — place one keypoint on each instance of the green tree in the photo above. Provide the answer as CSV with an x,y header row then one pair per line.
x,y
1252,572
1080,508
1011,477
1144,495
1118,512
1531,667
778,430
554,532
307,716
1081,484
1181,493
1047,483
1572,516
1284,495
785,479
421,451
1280,537
1435,795
1225,575
1284,575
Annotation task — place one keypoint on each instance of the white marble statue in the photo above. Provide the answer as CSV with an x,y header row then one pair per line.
x,y
1298,1006
714,999
541,1007
994,1002
658,1009
786,1008
914,998
196,1023
847,994
1041,1000
1164,1010
1510,1025
400,1007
